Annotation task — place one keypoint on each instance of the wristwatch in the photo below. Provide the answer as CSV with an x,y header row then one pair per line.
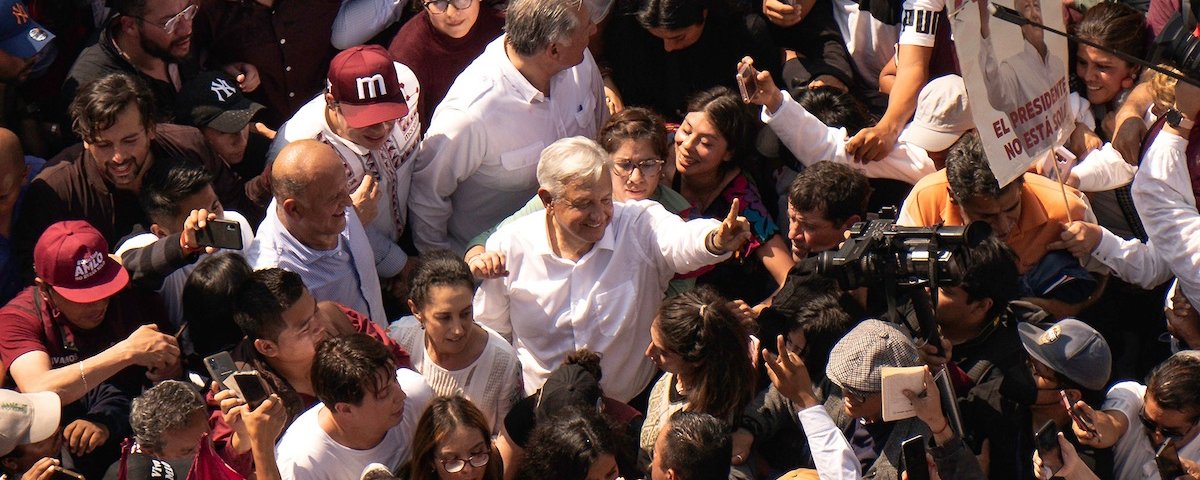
x,y
1176,119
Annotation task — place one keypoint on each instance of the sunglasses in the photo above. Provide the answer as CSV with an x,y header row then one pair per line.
x,y
1171,433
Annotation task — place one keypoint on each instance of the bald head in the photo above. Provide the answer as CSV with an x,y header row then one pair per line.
x,y
300,164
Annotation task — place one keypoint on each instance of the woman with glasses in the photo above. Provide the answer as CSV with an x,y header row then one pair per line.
x,y
712,149
452,442
636,141
439,43
705,351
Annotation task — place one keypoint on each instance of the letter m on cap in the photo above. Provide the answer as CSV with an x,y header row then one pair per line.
x,y
371,87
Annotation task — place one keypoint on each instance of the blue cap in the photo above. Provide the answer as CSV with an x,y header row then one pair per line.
x,y
20,35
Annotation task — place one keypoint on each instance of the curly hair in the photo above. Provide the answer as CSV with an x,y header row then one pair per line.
x,y
837,190
565,446
698,327
99,102
169,406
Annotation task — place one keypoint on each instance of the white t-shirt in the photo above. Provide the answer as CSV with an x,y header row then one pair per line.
x,y
492,382
306,451
1133,455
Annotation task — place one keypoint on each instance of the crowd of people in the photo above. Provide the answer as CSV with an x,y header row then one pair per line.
x,y
586,240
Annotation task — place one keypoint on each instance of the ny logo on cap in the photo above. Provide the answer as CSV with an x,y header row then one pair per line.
x,y
222,89
88,266
20,14
371,87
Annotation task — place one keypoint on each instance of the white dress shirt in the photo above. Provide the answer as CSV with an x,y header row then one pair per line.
x,y
550,306
1162,191
1133,261
345,274
479,159
1133,454
812,141
831,453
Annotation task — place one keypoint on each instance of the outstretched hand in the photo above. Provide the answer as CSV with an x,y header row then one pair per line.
x,y
733,232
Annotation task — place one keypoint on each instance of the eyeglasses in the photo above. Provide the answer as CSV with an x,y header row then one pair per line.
x,y
1171,433
438,7
186,15
649,167
455,465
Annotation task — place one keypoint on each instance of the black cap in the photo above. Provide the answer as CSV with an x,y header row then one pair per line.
x,y
214,100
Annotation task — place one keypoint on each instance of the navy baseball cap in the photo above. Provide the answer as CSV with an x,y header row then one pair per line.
x,y
20,35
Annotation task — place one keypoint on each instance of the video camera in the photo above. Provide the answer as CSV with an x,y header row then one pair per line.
x,y
900,262
880,252
1177,43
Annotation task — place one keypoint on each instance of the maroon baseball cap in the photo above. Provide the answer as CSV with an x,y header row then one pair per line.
x,y
364,82
73,258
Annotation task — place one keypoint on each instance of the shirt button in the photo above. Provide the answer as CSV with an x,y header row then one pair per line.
x,y
282,41
287,68
291,94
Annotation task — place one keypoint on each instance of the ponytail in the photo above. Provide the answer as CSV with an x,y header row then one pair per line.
x,y
700,328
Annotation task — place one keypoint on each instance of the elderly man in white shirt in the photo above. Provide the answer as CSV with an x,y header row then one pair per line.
x,y
589,273
535,84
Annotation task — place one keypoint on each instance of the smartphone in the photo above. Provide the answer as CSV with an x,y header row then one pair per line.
x,y
914,458
1167,458
1046,442
220,367
1077,415
746,81
61,473
251,387
221,234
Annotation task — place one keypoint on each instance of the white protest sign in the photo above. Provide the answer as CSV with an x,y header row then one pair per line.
x,y
1016,80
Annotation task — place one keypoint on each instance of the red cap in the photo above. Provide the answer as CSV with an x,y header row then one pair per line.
x,y
364,82
73,258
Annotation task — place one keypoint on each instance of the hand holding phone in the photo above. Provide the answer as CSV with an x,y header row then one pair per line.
x,y
61,473
1080,417
1048,449
747,81
1167,458
251,388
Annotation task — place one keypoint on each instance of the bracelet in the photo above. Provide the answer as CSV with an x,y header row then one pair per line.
x,y
83,377
710,243
473,257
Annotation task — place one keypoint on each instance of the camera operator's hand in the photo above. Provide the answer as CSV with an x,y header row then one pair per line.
x,y
195,221
765,92
1080,238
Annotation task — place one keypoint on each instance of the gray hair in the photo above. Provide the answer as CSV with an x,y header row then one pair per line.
x,y
568,160
166,407
532,25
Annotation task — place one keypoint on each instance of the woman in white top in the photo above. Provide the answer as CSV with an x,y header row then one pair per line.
x,y
455,355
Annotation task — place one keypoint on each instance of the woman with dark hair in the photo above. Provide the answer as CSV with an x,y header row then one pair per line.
x,y
711,147
576,444
705,351
1105,78
206,307
672,49
454,354
453,442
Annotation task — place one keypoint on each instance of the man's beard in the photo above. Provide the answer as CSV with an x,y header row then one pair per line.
x,y
161,53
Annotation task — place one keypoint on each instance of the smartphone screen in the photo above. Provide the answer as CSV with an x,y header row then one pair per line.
x,y
1047,446
252,388
914,458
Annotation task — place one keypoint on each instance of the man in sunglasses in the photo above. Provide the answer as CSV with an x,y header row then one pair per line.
x,y
1135,420
153,41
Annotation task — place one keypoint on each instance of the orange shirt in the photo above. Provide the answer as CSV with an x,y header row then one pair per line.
x,y
1042,212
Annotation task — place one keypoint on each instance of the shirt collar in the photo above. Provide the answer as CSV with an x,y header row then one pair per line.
x,y
288,243
541,243
354,147
516,82
1033,213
